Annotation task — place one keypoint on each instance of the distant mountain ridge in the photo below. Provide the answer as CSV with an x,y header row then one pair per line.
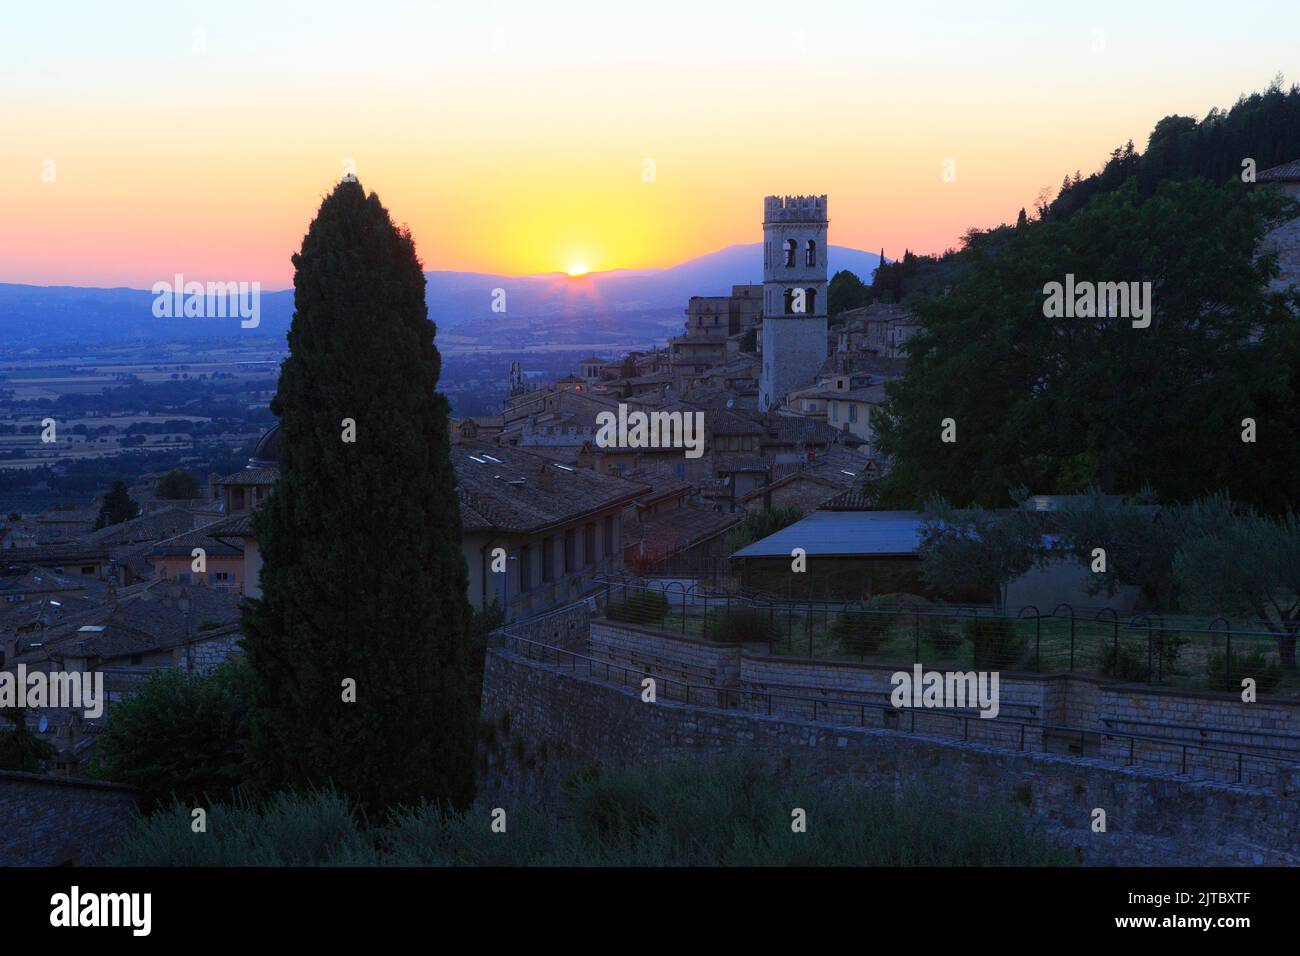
x,y
635,303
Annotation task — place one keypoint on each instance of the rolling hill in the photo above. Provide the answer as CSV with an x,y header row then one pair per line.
x,y
620,306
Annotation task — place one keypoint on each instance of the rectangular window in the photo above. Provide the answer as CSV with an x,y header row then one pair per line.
x,y
609,536
589,543
570,551
831,406
525,568
548,559
87,570
853,413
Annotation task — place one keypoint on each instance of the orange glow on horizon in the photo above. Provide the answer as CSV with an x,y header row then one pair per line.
x,y
109,177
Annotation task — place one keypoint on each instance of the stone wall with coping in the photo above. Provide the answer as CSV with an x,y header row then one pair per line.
x,y
1270,726
666,655
1153,817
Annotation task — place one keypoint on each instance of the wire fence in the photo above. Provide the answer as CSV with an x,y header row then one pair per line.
x,y
1146,648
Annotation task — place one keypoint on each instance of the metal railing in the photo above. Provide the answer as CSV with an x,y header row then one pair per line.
x,y
825,709
1142,648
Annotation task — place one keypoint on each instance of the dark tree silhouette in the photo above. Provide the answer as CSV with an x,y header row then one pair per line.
x,y
364,579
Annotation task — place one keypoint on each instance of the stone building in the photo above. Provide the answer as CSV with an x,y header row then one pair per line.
x,y
1284,238
850,402
244,492
558,527
713,323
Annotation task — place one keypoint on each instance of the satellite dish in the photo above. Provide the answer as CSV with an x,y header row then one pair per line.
x,y
730,402
44,724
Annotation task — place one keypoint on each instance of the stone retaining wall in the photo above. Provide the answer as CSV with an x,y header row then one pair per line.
x,y
1153,817
50,821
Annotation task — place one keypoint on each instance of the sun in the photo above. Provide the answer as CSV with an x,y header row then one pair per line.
x,y
578,269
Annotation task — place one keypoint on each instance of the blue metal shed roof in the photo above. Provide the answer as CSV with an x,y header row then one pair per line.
x,y
843,533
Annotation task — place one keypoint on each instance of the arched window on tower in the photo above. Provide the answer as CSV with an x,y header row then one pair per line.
x,y
810,256
789,252
810,301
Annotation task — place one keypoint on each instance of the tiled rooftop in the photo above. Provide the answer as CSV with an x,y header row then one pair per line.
x,y
1284,173
675,530
252,476
512,490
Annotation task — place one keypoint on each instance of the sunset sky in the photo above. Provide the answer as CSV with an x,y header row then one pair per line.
x,y
511,137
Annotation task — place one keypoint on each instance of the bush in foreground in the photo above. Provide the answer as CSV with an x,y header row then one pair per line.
x,y
180,736
729,814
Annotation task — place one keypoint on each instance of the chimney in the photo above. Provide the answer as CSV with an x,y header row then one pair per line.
x,y
545,480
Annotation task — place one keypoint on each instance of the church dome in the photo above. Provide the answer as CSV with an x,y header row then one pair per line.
x,y
266,454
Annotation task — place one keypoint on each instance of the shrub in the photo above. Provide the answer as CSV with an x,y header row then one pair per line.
x,y
740,624
20,749
643,607
759,524
615,810
1122,663
1166,646
181,736
995,642
733,813
860,633
1266,671
942,634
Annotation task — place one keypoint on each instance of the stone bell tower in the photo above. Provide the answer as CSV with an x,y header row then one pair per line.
x,y
794,295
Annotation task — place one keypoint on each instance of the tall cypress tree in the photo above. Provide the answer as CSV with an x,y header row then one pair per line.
x,y
363,576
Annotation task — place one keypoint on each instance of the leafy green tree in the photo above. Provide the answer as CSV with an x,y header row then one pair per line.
x,y
846,291
178,485
179,736
1139,542
1060,403
20,749
757,525
1263,127
972,553
116,506
1240,562
359,643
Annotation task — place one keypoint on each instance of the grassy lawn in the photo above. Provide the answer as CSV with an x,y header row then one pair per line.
x,y
1049,646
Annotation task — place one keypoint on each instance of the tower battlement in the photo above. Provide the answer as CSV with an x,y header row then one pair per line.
x,y
794,209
